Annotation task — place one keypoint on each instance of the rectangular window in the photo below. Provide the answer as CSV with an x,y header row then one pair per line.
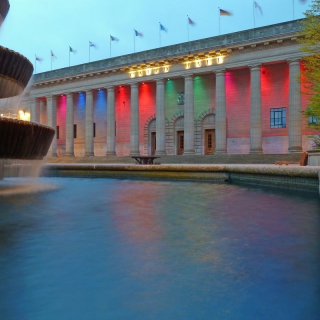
x,y
74,131
278,118
94,129
57,132
313,120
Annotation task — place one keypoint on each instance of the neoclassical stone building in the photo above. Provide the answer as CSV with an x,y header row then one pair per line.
x,y
234,93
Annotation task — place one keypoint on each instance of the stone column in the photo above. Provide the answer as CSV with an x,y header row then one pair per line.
x,y
255,110
52,122
295,130
134,120
111,122
34,110
69,126
42,111
188,115
221,119
160,119
89,144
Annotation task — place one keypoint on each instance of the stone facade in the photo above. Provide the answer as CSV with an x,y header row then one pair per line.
x,y
220,93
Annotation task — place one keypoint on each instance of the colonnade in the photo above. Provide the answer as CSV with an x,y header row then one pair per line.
x,y
295,130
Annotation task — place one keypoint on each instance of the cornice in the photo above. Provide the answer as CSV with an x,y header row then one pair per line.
x,y
234,43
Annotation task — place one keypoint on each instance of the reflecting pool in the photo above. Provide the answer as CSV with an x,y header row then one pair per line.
x,y
80,248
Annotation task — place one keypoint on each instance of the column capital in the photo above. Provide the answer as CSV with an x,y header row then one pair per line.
x,y
109,88
294,61
51,97
188,76
219,71
255,66
160,80
134,84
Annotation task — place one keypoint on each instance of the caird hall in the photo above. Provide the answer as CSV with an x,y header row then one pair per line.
x,y
237,93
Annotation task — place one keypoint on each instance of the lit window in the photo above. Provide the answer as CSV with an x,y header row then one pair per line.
x,y
278,118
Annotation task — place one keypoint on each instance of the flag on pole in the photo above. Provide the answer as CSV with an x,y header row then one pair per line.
x,y
53,56
225,13
112,38
72,50
137,33
191,22
162,28
35,62
256,6
91,44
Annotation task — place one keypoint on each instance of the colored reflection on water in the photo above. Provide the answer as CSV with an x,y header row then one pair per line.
x,y
119,249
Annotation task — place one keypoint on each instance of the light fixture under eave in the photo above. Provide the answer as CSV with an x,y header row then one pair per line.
x,y
209,61
140,73
166,69
198,63
220,60
187,65
148,71
132,74
156,70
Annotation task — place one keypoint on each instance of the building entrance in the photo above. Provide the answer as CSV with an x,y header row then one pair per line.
x,y
180,144
209,141
153,143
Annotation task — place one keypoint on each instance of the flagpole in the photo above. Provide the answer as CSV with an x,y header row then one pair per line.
x,y
254,16
134,41
51,60
159,35
110,47
35,63
69,56
188,27
292,9
89,51
219,21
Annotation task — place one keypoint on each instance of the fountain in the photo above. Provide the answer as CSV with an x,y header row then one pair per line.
x,y
19,139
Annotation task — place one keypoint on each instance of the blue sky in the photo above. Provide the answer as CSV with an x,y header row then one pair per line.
x,y
35,27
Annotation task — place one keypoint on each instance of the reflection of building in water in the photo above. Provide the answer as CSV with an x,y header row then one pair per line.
x,y
234,93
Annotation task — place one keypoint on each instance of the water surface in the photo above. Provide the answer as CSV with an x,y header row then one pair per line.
x,y
118,249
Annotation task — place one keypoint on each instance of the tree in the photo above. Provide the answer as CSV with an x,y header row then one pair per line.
x,y
309,37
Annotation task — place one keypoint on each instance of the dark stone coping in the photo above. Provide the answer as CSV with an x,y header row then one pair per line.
x,y
213,43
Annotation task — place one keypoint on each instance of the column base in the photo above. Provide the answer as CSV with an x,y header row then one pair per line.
x,y
111,153
161,153
295,149
69,155
54,155
189,152
132,153
89,154
256,151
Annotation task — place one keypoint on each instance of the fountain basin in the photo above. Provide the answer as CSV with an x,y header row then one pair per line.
x,y
23,139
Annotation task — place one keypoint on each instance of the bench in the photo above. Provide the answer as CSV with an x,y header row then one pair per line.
x,y
145,159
